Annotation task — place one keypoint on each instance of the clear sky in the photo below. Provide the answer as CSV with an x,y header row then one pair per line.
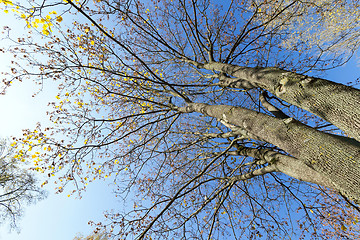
x,y
60,217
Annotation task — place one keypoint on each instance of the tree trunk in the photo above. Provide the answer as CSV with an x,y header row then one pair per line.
x,y
333,102
334,158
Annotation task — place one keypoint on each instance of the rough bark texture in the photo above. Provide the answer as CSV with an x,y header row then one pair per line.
x,y
335,103
335,158
290,166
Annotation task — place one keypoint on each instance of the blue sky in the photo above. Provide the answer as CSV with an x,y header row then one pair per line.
x,y
60,217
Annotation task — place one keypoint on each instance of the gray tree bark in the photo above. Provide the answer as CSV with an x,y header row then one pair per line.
x,y
333,102
316,157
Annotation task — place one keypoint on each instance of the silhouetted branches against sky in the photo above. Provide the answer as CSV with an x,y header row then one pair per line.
x,y
197,112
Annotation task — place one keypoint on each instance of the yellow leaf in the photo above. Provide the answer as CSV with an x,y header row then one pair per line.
x,y
59,18
92,42
6,2
45,32
45,26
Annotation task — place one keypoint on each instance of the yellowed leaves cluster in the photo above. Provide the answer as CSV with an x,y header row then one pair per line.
x,y
44,24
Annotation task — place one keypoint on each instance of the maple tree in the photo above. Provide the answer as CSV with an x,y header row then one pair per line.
x,y
205,115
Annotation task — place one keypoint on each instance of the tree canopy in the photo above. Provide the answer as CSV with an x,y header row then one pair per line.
x,y
18,187
214,119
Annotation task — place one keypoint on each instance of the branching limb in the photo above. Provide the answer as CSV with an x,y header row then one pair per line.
x,y
255,173
225,81
271,108
176,195
238,130
290,166
212,135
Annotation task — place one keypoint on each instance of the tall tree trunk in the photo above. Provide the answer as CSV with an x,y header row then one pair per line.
x,y
336,103
337,159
